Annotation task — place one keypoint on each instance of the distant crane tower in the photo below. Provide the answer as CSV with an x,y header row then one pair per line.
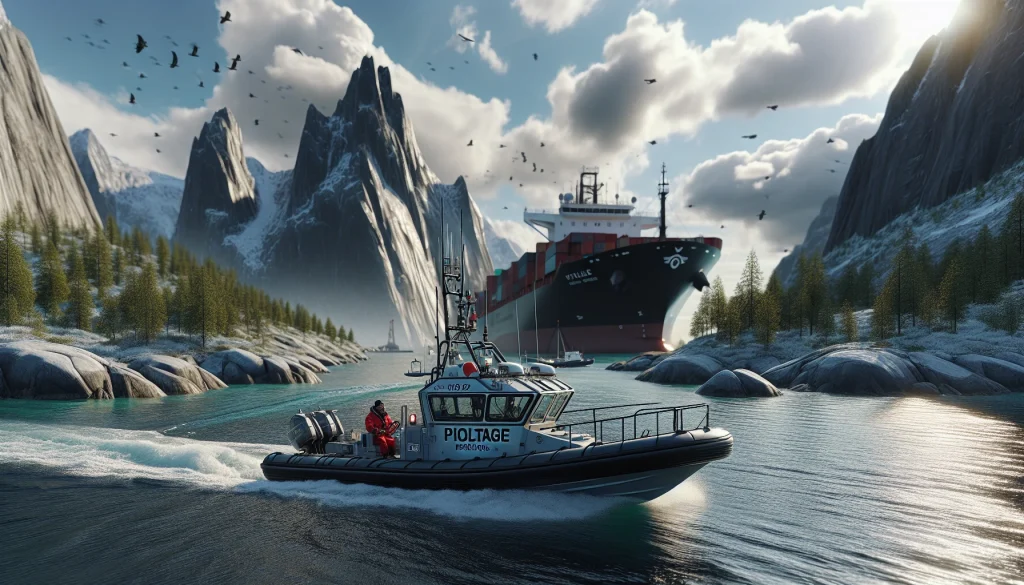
x,y
662,194
391,345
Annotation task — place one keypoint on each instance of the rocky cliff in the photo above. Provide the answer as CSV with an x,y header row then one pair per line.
x,y
814,242
134,197
36,165
220,194
504,251
354,230
955,118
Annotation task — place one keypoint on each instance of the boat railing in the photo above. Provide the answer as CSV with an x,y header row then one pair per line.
x,y
666,420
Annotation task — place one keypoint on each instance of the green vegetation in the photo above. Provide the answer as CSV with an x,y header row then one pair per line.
x,y
161,287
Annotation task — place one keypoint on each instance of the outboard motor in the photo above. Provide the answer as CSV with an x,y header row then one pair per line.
x,y
700,281
310,432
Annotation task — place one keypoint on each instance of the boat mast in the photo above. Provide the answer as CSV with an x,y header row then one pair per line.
x,y
536,331
519,343
662,194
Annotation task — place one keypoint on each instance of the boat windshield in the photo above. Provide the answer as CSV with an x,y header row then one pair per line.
x,y
464,407
508,407
542,408
557,405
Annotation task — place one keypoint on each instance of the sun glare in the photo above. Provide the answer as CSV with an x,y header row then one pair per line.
x,y
922,18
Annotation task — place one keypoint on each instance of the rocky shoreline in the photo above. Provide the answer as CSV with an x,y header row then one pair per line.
x,y
859,368
44,370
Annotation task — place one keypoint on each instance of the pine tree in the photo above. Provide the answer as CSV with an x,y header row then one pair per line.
x,y
846,287
733,325
352,335
330,330
1013,235
168,295
52,284
18,296
717,305
117,266
163,253
813,289
142,303
53,233
984,267
102,273
20,216
849,322
882,316
111,321
748,288
113,232
768,308
866,279
700,321
952,301
826,321
81,306
35,238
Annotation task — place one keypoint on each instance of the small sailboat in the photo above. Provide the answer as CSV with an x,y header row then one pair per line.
x,y
416,369
568,359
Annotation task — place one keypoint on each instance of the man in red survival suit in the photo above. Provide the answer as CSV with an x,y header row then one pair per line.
x,y
380,424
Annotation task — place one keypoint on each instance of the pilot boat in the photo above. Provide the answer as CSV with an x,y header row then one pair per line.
x,y
484,422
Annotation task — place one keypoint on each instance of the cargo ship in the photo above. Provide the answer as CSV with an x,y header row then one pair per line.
x,y
597,280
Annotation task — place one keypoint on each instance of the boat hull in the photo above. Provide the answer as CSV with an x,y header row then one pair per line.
x,y
617,301
642,468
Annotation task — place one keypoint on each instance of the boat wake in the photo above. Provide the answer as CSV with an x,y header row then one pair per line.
x,y
132,454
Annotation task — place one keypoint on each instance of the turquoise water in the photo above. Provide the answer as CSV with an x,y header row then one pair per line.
x,y
819,489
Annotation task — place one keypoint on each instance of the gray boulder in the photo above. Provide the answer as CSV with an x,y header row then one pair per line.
x,y
947,374
235,375
737,384
182,378
41,370
238,366
278,371
682,369
638,363
861,372
761,363
1005,373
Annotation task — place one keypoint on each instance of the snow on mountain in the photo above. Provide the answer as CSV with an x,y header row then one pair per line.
x,y
354,231
134,197
220,193
959,218
503,250
953,121
3,16
37,169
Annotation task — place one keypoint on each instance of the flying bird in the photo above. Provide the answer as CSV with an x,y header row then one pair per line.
x,y
749,136
760,216
142,75
156,135
466,61
542,145
195,51
225,18
510,177
767,178
465,38
216,67
140,44
452,68
106,42
174,59
535,167
501,146
506,207
68,38
723,226
535,56
201,83
251,96
785,251
296,50
772,108
470,142
650,81
524,156
257,122
690,205
114,135
131,98
100,22
158,151
86,36
830,141
250,72
831,170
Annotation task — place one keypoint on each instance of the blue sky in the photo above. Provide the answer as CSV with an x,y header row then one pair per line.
x,y
822,60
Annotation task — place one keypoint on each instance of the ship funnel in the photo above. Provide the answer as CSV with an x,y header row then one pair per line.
x,y
699,281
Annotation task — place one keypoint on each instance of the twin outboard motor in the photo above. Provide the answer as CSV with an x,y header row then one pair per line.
x,y
310,432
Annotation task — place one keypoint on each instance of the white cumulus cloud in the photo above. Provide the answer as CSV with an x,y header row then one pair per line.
x,y
554,15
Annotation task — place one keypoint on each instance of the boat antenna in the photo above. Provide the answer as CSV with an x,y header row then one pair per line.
x,y
662,194
519,343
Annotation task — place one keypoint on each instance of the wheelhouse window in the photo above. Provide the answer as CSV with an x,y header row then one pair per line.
x,y
557,405
542,409
458,407
508,407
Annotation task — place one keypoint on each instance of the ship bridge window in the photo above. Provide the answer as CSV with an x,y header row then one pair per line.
x,y
460,408
556,407
508,407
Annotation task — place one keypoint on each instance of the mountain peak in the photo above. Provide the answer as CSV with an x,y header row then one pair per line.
x,y
3,15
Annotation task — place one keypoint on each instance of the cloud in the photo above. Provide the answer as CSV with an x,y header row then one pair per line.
x,y
555,15
518,233
490,56
655,4
731,188
463,25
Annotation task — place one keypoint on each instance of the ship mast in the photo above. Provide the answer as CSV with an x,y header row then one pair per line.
x,y
662,194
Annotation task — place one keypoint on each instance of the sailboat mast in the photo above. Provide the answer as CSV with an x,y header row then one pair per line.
x,y
536,330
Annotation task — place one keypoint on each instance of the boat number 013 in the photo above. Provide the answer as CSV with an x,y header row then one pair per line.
x,y
457,387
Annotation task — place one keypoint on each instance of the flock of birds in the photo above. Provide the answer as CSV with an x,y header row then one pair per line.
x,y
141,45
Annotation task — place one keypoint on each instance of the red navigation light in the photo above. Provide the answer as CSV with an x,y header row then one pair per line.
x,y
412,418
469,368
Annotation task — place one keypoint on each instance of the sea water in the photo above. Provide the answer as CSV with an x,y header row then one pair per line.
x,y
818,489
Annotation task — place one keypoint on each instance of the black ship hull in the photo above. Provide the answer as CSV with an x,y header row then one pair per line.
x,y
616,301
